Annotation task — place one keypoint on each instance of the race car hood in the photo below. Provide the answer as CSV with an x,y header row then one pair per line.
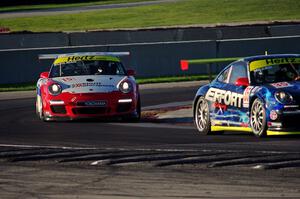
x,y
286,86
291,87
89,84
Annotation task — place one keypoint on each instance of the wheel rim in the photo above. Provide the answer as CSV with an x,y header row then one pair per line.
x,y
257,117
202,115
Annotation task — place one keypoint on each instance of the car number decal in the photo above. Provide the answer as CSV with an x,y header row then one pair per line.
x,y
246,96
281,85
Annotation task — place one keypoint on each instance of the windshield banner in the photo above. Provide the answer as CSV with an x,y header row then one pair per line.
x,y
273,61
69,59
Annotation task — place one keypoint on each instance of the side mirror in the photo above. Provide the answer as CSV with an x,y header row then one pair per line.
x,y
44,75
131,72
242,81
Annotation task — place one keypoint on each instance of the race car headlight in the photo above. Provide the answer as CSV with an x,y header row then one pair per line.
x,y
283,97
54,89
125,87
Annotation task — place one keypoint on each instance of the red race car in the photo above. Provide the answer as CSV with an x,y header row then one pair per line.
x,y
87,85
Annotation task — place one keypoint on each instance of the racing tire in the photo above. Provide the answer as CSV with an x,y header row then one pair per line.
x,y
136,116
202,117
258,121
39,108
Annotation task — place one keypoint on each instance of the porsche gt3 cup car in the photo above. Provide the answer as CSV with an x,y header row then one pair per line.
x,y
259,94
86,85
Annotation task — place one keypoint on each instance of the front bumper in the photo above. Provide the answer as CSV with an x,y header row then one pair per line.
x,y
287,123
90,105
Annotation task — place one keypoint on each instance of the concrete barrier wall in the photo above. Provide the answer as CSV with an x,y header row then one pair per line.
x,y
162,59
39,40
148,59
35,40
249,47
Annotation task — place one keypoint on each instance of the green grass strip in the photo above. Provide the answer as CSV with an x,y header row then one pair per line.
x,y
65,5
187,12
17,87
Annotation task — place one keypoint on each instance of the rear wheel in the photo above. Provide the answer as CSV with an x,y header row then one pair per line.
x,y
201,117
39,108
258,118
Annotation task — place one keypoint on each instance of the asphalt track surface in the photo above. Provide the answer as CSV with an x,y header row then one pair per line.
x,y
73,10
109,159
19,125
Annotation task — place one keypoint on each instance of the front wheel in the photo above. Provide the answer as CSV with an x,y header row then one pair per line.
x,y
39,108
258,118
201,117
136,116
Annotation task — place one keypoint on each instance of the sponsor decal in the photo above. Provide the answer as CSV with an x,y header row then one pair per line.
x,y
281,60
275,124
80,85
73,99
79,58
95,103
272,61
246,96
220,106
67,79
84,58
224,97
273,115
89,84
281,85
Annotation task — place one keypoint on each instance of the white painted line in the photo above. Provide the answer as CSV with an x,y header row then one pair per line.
x,y
146,43
260,38
45,146
102,45
96,162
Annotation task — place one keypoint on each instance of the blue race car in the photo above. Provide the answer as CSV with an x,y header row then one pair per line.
x,y
259,94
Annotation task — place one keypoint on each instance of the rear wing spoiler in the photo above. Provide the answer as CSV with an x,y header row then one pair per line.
x,y
55,56
184,64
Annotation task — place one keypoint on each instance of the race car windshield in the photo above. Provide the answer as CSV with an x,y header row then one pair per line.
x,y
275,73
79,68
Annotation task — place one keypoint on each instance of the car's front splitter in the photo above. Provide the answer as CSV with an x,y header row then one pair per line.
x,y
270,133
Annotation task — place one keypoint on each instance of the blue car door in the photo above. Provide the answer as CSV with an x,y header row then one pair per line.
x,y
237,113
227,98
